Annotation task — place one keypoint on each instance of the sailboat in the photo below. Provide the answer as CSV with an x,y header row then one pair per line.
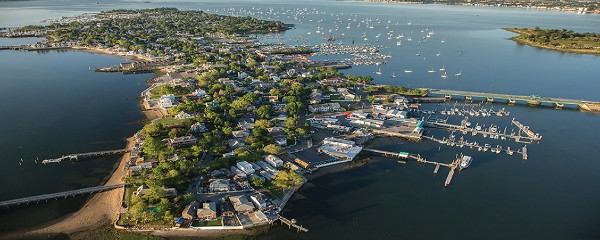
x,y
378,72
443,68
431,71
408,70
393,75
445,75
459,73
443,41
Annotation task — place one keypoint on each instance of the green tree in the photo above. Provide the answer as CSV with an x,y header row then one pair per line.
x,y
273,149
263,112
287,179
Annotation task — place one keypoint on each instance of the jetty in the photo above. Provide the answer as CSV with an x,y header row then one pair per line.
x,y
58,195
558,103
77,156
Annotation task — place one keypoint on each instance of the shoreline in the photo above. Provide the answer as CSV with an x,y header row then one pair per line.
x,y
102,208
522,41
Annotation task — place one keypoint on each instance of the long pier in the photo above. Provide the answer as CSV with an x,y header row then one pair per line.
x,y
558,103
529,138
452,166
54,196
77,156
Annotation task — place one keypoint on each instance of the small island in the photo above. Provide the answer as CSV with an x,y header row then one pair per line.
x,y
558,39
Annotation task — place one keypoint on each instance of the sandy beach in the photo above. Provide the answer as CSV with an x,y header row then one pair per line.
x,y
103,208
107,52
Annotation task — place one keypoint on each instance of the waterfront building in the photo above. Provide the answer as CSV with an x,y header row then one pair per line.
x,y
208,211
258,201
241,204
189,212
340,148
167,101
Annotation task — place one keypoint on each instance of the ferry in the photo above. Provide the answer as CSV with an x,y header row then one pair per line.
x,y
465,162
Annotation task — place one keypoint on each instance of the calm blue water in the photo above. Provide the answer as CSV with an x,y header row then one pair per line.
x,y
553,195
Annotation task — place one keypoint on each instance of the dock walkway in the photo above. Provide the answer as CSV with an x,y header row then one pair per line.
x,y
54,196
76,156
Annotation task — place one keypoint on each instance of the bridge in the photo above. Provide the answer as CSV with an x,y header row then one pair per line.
x,y
54,196
76,156
517,99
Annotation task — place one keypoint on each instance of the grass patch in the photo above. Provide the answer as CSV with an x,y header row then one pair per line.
x,y
211,223
168,121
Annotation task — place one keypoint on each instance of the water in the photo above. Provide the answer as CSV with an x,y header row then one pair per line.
x,y
52,104
551,195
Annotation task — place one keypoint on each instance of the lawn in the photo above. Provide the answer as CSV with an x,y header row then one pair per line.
x,y
212,223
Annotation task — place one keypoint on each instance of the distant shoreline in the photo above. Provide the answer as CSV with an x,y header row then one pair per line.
x,y
520,40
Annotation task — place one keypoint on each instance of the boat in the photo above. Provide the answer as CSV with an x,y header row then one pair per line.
x,y
399,43
438,54
443,68
443,41
445,75
378,72
465,162
431,71
458,74
407,71
393,75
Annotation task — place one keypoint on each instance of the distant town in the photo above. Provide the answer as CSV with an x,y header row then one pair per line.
x,y
579,7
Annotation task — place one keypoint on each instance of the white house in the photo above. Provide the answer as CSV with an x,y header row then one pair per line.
x,y
167,101
274,161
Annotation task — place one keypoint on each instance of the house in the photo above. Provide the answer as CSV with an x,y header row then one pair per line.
x,y
236,143
360,114
315,96
241,204
182,141
332,81
198,127
189,212
208,211
220,185
241,134
167,101
395,113
258,201
199,93
245,167
184,115
265,166
274,161
325,107
237,172
261,216
227,209
246,124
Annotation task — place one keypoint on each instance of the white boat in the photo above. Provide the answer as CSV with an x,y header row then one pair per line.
x,y
443,68
393,75
465,162
408,71
399,43
445,75
378,72
438,54
431,71
459,73
443,41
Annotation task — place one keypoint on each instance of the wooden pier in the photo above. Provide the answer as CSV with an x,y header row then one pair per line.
x,y
452,166
558,103
77,156
291,223
530,136
54,196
